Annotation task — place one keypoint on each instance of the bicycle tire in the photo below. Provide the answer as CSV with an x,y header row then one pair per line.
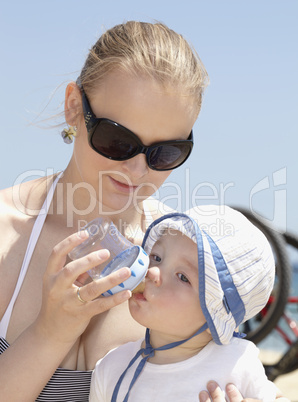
x,y
287,364
282,285
291,239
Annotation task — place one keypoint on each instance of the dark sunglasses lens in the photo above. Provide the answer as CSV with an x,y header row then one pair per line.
x,y
168,157
113,141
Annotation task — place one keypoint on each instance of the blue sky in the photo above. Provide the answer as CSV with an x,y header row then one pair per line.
x,y
246,135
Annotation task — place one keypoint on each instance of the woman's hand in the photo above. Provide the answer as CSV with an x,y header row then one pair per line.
x,y
63,316
216,394
28,364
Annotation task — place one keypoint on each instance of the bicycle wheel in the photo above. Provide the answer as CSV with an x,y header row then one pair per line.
x,y
287,364
258,327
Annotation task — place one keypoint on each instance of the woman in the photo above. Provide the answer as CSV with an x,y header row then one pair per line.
x,y
144,84
147,79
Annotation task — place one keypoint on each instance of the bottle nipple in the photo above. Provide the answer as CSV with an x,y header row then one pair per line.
x,y
140,288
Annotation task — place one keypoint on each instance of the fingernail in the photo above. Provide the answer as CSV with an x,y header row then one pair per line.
x,y
103,254
125,295
230,387
83,234
124,273
211,386
203,396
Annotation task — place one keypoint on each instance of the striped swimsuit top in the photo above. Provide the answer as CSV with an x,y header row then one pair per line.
x,y
65,385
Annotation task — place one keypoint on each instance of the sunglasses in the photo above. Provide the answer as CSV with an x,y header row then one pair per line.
x,y
113,141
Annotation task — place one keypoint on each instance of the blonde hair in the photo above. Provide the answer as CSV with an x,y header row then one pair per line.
x,y
147,49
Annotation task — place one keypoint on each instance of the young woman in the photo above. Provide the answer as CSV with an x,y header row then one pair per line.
x,y
133,106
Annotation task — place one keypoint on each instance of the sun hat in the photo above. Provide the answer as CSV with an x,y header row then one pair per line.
x,y
236,266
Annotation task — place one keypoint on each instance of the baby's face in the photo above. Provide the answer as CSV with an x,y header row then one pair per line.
x,y
170,302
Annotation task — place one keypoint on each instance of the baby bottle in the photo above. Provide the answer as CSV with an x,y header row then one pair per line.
x,y
103,234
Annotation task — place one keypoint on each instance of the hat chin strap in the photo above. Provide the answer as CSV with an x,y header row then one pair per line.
x,y
148,352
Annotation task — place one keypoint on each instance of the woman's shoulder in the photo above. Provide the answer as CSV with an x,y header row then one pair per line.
x,y
24,199
19,207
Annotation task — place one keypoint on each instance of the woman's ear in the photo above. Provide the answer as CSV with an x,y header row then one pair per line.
x,y
73,104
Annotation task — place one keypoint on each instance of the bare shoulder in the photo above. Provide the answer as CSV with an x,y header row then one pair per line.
x,y
25,198
19,206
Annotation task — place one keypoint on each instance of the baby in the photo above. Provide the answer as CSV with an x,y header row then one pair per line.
x,y
210,270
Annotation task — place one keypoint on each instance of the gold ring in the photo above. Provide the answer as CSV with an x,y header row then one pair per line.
x,y
79,296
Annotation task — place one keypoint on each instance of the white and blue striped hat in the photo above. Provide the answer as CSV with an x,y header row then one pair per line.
x,y
235,264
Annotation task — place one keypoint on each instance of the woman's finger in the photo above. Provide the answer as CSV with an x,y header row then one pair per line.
x,y
74,269
233,393
235,396
215,392
204,397
96,288
59,253
106,303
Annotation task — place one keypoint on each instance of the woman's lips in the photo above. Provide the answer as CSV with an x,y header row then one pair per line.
x,y
124,188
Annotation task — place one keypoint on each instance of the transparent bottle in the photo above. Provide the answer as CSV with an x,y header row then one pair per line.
x,y
103,234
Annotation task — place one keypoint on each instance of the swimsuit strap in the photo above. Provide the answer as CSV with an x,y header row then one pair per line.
x,y
36,230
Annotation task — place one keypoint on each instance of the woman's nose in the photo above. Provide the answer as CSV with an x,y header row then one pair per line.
x,y
154,275
137,166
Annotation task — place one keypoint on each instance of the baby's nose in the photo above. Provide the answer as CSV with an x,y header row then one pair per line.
x,y
154,275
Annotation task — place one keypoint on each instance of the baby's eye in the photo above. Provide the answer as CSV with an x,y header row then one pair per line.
x,y
155,258
183,278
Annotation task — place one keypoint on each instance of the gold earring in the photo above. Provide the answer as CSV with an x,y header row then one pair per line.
x,y
68,133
